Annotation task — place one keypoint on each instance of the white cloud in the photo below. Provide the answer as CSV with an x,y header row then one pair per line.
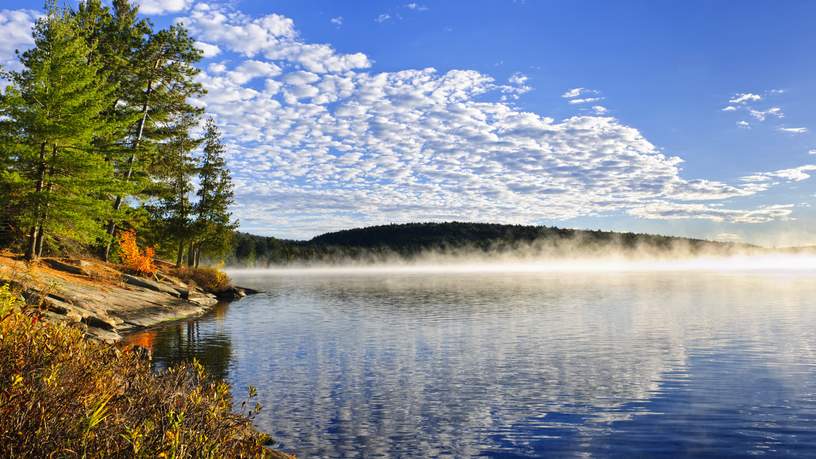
x,y
796,174
744,102
208,49
673,211
812,151
15,28
382,18
518,85
338,21
272,36
159,7
742,98
318,149
794,130
217,67
518,79
317,142
251,69
416,7
762,115
575,92
586,100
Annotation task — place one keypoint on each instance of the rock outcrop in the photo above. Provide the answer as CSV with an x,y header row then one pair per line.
x,y
104,302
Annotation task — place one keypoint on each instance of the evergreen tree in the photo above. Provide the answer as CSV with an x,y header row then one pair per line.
x,y
12,184
173,211
164,76
54,110
213,226
117,37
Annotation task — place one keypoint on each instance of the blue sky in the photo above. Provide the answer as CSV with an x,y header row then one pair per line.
x,y
691,118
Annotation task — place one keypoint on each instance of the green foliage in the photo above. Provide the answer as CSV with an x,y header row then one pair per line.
x,y
54,111
95,136
172,210
9,301
64,396
213,225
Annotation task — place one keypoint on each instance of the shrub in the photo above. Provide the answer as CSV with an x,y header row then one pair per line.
x,y
133,258
9,301
210,279
64,396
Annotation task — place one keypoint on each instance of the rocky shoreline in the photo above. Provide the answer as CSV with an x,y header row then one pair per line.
x,y
104,302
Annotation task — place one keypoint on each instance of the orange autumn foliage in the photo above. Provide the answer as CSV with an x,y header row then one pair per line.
x,y
132,257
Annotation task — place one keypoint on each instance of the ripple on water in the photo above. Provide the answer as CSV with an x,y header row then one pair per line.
x,y
520,365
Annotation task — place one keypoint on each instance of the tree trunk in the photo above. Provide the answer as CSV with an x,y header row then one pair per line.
x,y
117,203
40,243
197,255
190,254
41,231
180,254
31,250
32,243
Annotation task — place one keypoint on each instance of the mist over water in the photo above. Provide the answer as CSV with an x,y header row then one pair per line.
x,y
560,363
500,263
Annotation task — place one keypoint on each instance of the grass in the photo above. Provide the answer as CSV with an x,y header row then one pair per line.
x,y
65,396
210,279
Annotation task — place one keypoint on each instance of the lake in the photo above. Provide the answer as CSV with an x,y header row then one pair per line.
x,y
512,365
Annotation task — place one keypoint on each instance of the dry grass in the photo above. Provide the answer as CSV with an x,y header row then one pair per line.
x,y
209,279
64,396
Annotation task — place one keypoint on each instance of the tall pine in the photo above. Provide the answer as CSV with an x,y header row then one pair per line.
x,y
163,83
172,209
213,225
55,109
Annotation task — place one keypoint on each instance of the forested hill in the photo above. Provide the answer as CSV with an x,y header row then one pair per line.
x,y
411,240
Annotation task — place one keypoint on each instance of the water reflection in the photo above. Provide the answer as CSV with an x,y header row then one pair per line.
x,y
204,339
520,365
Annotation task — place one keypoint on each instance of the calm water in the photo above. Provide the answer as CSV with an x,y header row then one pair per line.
x,y
532,365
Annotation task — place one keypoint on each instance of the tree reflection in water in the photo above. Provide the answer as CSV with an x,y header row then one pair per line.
x,y
185,340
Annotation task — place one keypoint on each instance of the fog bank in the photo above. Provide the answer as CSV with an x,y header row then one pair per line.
x,y
611,264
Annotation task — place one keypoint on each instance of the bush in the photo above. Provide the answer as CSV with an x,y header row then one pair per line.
x,y
9,301
210,279
64,396
133,258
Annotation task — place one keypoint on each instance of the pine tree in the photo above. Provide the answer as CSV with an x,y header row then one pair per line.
x,y
163,84
12,184
213,226
172,211
117,37
54,109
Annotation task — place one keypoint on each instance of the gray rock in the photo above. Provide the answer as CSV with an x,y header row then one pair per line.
x,y
202,299
150,285
105,310
66,267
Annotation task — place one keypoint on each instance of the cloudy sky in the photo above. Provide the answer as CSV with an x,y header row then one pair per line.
x,y
690,118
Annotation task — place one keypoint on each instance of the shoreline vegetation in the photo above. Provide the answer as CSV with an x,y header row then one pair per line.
x,y
66,390
463,241
107,164
64,395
